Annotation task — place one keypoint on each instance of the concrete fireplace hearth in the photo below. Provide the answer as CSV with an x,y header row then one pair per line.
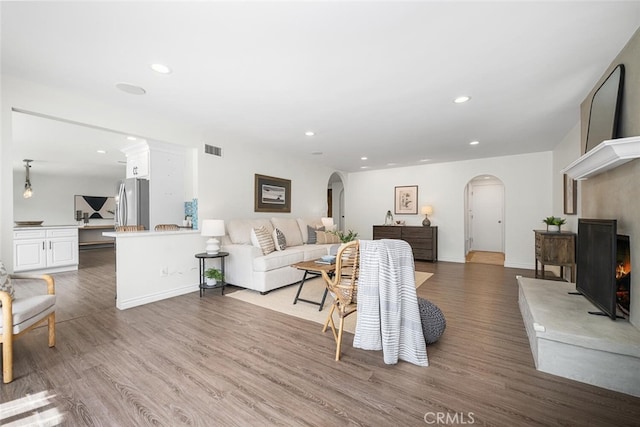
x,y
567,341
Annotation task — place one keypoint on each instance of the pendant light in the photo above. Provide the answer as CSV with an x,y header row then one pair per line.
x,y
28,192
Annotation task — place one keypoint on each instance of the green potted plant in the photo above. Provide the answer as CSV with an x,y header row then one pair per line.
x,y
346,237
554,223
212,276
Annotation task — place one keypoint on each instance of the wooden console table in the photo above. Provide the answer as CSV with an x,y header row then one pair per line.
x,y
423,240
556,248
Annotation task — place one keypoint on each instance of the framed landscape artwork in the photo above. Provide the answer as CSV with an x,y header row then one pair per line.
x,y
406,200
272,194
570,195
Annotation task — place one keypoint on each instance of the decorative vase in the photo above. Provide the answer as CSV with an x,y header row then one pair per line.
x,y
211,282
388,219
555,228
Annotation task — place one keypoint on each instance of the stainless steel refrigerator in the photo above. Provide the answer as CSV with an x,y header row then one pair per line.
x,y
132,202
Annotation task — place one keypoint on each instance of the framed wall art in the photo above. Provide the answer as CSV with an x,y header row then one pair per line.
x,y
570,195
97,207
272,194
406,200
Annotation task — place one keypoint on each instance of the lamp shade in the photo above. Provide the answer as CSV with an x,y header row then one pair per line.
x,y
426,210
212,227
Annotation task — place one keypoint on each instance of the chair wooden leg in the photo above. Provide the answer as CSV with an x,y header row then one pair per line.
x,y
7,358
339,340
329,322
51,323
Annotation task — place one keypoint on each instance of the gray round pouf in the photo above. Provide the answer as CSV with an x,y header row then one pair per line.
x,y
433,322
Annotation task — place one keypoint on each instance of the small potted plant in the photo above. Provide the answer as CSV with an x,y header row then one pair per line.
x,y
554,223
346,237
212,276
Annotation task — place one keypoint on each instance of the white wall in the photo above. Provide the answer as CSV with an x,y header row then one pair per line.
x,y
565,152
54,196
528,185
226,184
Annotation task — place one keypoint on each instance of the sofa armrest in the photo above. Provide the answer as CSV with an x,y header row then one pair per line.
x,y
239,264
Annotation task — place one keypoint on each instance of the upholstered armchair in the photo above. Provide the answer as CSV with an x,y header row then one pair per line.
x,y
23,314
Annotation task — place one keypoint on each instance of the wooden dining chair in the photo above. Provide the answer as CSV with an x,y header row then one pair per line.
x,y
129,228
343,286
22,314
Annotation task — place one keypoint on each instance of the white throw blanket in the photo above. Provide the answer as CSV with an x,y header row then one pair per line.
x,y
388,314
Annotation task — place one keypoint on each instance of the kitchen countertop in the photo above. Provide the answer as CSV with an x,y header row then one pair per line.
x,y
148,233
43,226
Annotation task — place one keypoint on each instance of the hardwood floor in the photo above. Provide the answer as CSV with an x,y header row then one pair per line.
x,y
219,361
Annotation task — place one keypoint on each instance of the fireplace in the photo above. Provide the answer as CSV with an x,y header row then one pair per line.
x,y
623,274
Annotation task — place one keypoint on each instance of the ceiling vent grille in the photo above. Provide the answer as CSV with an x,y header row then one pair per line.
x,y
210,149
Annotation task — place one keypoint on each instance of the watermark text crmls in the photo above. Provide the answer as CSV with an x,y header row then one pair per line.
x,y
444,418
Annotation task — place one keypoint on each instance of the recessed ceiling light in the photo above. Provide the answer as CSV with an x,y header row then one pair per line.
x,y
161,68
102,151
391,164
317,153
424,160
487,177
474,143
363,158
309,133
131,89
461,99
132,138
364,167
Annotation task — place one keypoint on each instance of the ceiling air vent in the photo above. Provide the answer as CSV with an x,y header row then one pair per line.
x,y
210,149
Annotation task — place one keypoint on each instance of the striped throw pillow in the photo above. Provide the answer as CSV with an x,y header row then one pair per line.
x,y
263,239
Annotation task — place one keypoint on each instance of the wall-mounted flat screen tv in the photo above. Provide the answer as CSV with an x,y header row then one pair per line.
x,y
605,109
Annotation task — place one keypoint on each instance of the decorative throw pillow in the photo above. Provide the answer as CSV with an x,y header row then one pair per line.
x,y
5,281
312,234
324,237
279,240
262,237
433,321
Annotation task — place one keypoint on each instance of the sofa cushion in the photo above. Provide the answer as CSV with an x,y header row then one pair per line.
x,y
239,230
311,232
261,238
279,240
280,259
325,237
303,223
289,226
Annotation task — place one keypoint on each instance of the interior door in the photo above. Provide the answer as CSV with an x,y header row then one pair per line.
x,y
487,225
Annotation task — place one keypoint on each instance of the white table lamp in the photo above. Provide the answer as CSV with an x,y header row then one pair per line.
x,y
426,211
213,228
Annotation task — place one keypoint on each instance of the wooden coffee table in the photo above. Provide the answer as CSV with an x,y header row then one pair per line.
x,y
313,268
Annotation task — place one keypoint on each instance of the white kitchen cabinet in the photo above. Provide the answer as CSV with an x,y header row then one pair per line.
x,y
138,164
45,249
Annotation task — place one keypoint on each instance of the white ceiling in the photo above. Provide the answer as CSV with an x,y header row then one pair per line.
x,y
373,79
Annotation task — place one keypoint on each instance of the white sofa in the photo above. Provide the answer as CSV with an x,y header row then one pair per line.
x,y
247,267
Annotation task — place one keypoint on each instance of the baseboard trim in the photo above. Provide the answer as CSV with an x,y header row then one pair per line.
x,y
134,302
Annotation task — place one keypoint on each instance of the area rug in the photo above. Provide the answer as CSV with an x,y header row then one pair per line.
x,y
282,300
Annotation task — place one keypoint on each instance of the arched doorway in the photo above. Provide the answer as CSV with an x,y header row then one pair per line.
x,y
484,220
335,200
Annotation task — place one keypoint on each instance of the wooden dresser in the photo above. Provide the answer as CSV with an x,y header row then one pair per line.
x,y
556,248
423,240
